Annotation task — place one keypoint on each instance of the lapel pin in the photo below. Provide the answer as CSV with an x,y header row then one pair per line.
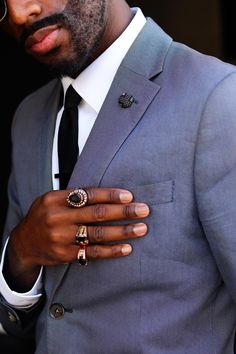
x,y
126,100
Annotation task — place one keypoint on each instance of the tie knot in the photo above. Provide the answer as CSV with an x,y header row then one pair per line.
x,y
72,98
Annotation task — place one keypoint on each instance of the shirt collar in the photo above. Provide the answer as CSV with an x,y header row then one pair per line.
x,y
94,82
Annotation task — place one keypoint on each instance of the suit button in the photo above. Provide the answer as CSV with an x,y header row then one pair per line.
x,y
57,311
12,317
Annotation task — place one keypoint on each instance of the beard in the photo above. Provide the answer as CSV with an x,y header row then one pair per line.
x,y
85,23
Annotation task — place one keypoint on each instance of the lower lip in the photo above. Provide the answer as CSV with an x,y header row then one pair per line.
x,y
46,44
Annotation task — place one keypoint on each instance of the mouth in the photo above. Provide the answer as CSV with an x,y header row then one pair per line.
x,y
43,41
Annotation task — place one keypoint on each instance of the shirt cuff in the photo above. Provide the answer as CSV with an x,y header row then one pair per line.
x,y
20,300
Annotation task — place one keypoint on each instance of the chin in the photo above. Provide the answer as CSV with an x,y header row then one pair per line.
x,y
63,68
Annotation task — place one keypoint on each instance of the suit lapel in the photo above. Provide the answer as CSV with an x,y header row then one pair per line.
x,y
114,124
112,127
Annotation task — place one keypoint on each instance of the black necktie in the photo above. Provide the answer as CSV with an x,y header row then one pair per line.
x,y
68,137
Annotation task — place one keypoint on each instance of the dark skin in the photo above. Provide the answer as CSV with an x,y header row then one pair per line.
x,y
46,235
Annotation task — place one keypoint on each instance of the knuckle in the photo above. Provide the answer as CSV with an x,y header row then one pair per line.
x,y
60,254
50,219
98,235
94,252
128,211
91,194
116,251
128,230
99,212
113,195
54,237
47,199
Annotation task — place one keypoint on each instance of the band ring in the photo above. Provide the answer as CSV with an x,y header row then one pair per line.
x,y
82,260
81,236
77,198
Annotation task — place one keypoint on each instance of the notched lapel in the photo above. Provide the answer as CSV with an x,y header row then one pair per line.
x,y
113,126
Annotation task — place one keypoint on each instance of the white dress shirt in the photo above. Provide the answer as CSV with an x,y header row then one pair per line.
x,y
92,85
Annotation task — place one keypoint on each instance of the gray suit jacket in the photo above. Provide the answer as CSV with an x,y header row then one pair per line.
x,y
175,149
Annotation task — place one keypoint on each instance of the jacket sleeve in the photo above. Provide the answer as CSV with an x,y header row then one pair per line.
x,y
17,322
215,177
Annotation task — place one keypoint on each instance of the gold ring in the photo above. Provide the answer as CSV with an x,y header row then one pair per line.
x,y
77,198
81,236
82,260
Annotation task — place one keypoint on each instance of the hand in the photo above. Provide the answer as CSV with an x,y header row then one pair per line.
x,y
46,236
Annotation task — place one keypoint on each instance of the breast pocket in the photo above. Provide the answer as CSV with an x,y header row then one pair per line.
x,y
160,198
155,193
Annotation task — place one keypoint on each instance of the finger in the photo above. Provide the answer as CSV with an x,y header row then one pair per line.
x,y
95,196
95,252
107,212
108,195
105,195
102,234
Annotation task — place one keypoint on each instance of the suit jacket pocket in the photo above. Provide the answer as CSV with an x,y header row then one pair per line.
x,y
155,193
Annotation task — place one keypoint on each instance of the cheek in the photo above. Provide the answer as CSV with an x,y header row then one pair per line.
x,y
53,7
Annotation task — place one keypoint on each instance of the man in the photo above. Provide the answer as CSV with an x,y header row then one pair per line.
x,y
156,157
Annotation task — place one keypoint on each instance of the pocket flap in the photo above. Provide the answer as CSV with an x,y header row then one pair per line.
x,y
156,193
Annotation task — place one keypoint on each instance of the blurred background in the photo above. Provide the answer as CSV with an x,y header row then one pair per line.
x,y
206,25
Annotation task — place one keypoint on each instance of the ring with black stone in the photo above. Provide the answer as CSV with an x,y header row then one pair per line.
x,y
77,198
82,260
81,236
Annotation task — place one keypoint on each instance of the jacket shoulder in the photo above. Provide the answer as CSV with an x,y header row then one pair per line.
x,y
34,106
40,95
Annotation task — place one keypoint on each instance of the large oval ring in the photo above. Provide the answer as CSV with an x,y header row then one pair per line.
x,y
77,198
81,236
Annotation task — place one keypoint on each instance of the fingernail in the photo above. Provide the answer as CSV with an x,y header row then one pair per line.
x,y
126,196
140,229
141,210
126,249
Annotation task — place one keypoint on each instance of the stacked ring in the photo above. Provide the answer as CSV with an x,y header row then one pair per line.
x,y
81,238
